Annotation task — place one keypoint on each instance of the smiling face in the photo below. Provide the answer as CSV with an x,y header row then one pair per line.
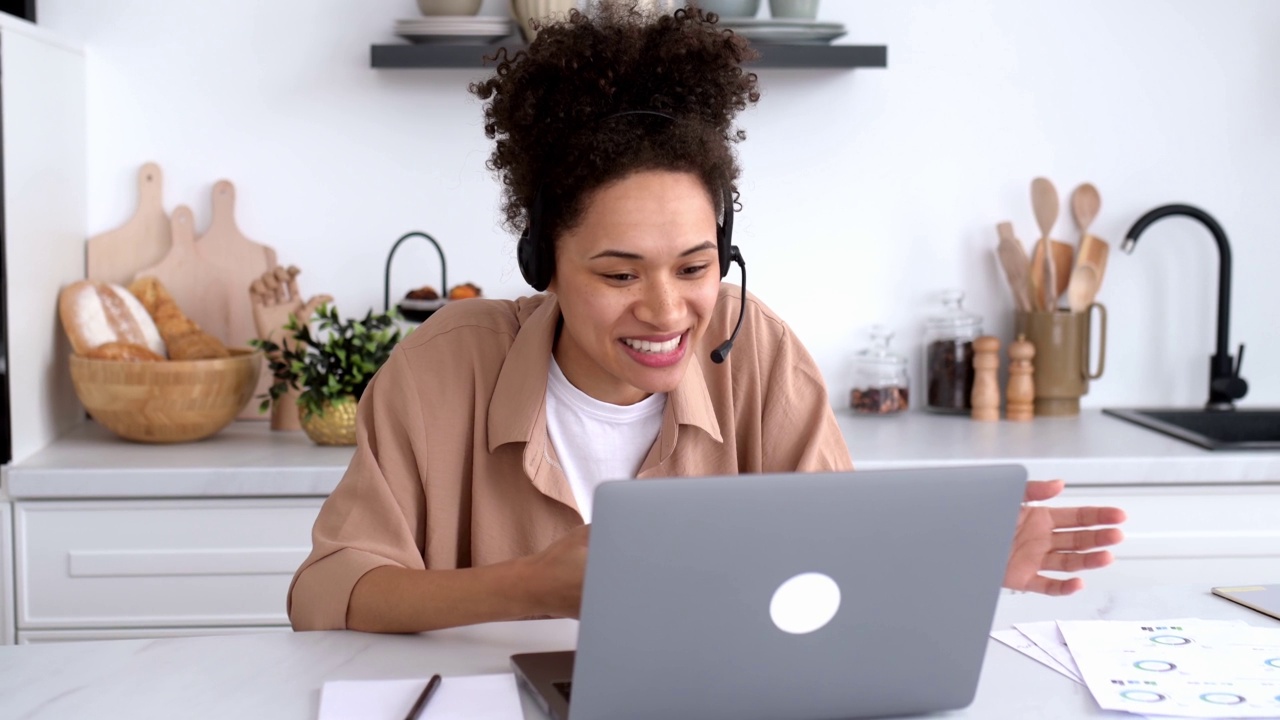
x,y
637,278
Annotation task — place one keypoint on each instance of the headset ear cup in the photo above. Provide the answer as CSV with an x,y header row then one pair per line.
x,y
526,256
724,234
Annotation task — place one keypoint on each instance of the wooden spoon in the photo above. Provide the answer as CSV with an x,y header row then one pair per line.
x,y
1086,278
1085,203
1044,281
1091,261
1017,266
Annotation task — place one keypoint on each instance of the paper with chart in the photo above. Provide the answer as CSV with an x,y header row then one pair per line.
x,y
1018,641
1189,668
473,697
1046,636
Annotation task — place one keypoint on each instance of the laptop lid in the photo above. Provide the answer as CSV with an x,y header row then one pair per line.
x,y
802,596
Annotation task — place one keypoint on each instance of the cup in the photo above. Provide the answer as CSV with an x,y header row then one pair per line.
x,y
1063,342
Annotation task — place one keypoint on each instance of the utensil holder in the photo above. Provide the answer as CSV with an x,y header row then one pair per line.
x,y
1063,340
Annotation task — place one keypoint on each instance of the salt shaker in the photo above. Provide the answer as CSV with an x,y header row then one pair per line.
x,y
986,386
1021,393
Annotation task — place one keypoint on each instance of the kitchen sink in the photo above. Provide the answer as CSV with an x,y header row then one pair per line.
x,y
1212,429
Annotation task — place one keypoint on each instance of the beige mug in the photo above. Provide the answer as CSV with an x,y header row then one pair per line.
x,y
1063,342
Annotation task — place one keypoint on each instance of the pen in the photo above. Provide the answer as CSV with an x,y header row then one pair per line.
x,y
416,710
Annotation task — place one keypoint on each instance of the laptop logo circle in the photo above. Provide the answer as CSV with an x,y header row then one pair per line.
x,y
805,603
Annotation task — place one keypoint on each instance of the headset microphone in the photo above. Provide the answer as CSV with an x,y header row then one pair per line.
x,y
720,353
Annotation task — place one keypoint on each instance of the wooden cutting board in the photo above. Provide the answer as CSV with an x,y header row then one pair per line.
x,y
198,292
117,255
236,261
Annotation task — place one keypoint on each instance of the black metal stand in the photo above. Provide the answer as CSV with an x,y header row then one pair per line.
x,y
386,286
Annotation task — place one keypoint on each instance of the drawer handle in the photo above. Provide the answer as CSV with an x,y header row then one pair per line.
x,y
152,563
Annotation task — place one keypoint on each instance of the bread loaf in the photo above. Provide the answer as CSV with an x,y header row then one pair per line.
x,y
184,338
97,313
123,351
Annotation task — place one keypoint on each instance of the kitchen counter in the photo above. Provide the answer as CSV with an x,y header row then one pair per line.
x,y
249,460
279,675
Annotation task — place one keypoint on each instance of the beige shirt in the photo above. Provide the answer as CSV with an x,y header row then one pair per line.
x,y
453,467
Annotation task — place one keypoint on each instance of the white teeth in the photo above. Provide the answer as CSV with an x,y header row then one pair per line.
x,y
655,348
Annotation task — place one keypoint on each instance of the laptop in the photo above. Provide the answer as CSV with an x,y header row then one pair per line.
x,y
1259,598
799,596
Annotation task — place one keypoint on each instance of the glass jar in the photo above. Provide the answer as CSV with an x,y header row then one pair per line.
x,y
948,355
880,384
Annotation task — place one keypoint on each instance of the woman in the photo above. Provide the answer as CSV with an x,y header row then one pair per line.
x,y
481,439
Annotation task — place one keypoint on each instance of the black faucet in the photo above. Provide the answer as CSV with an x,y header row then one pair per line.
x,y
1225,384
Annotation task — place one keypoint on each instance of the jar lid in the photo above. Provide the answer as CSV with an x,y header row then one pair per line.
x,y
878,353
952,313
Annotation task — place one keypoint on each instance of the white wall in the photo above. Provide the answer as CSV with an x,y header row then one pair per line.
x,y
865,191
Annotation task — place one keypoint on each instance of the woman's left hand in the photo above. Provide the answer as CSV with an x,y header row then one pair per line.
x,y
1060,539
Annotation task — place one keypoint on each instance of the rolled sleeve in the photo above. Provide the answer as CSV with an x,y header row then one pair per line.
x,y
376,515
800,432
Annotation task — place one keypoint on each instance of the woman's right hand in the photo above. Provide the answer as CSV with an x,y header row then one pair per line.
x,y
557,573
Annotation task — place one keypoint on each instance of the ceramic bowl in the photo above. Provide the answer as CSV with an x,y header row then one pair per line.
x,y
731,8
794,9
449,7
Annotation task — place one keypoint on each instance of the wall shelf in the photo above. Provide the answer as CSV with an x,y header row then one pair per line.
x,y
428,55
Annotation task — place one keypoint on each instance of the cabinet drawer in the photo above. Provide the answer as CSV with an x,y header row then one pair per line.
x,y
1191,522
7,622
105,564
33,637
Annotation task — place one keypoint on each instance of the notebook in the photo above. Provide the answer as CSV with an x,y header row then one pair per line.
x,y
1261,598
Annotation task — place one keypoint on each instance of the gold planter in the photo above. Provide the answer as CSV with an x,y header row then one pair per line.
x,y
335,424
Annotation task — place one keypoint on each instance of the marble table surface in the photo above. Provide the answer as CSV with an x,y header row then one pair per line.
x,y
279,675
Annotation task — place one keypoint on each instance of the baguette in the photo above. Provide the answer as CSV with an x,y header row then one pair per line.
x,y
96,313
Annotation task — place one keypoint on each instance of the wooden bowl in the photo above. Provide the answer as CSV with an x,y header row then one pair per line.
x,y
166,402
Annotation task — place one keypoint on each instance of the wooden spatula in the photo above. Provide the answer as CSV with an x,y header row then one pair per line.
x,y
1086,277
1017,266
1044,281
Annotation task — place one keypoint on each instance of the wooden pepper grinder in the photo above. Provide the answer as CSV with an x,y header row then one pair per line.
x,y
1021,392
985,398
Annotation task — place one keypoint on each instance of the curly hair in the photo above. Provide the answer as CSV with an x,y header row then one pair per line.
x,y
554,108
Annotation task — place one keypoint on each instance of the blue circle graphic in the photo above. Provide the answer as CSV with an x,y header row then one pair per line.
x,y
1222,698
1145,696
1274,662
1170,640
1155,665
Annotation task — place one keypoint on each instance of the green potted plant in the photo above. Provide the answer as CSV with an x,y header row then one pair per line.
x,y
329,368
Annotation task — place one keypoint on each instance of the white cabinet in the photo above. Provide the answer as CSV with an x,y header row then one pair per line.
x,y
1202,535
6,574
176,564
42,115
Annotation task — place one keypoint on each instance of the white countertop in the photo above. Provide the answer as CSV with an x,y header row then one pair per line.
x,y
249,460
279,675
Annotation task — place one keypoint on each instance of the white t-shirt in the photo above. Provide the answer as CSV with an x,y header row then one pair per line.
x,y
597,441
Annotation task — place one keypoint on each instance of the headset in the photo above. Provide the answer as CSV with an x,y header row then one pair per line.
x,y
536,255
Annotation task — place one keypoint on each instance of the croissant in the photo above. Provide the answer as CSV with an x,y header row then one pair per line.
x,y
183,337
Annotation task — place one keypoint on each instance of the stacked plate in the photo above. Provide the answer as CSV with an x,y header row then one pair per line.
x,y
773,30
465,29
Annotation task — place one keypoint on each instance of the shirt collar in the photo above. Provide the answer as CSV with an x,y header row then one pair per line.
x,y
517,410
